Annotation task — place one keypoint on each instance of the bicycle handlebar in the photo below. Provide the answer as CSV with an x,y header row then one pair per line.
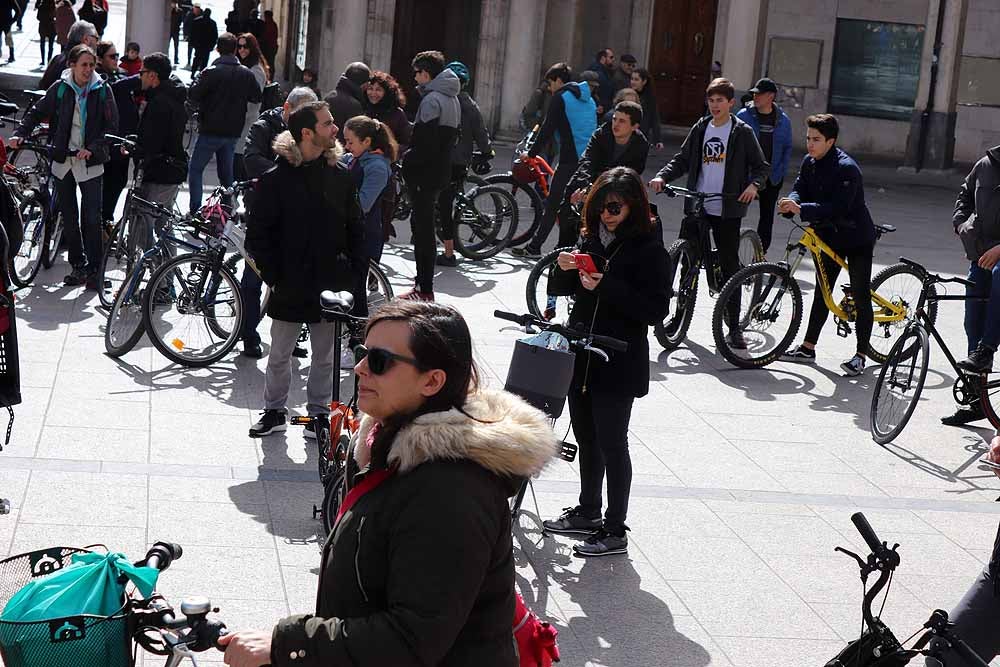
x,y
574,335
867,532
676,190
161,555
933,277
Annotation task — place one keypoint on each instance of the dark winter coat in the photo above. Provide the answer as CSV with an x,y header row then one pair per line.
x,y
102,119
472,133
306,233
394,117
420,571
161,133
427,163
345,103
979,196
632,296
650,124
95,14
745,164
46,16
176,17
831,193
204,33
259,154
598,157
125,90
8,14
221,93
606,91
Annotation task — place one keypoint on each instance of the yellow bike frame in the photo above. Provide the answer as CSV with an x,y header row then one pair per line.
x,y
885,311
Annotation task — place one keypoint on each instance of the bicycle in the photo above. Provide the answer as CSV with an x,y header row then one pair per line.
x,y
877,646
688,257
150,623
770,319
528,182
902,376
334,460
546,383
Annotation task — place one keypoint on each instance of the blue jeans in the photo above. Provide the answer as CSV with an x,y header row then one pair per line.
x,y
223,148
82,230
982,318
250,287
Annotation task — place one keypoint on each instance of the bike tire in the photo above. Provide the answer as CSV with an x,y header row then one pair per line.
x,y
125,327
751,248
485,224
379,288
989,398
539,277
909,354
684,270
887,284
53,238
530,207
762,311
24,265
117,262
173,279
333,497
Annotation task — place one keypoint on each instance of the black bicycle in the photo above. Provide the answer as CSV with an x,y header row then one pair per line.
x,y
902,376
689,256
877,646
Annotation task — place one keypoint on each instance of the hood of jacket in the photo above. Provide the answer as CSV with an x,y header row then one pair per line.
x,y
574,88
348,87
513,439
285,147
95,78
994,155
446,83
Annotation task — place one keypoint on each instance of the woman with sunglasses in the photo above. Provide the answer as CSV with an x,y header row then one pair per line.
x,y
628,293
419,568
250,56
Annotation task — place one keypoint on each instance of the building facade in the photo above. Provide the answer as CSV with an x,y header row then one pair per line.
x,y
913,80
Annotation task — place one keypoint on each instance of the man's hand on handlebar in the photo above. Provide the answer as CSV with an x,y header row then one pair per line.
x,y
749,194
247,648
787,205
656,185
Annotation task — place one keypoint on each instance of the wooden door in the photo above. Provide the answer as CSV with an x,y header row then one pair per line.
x,y
680,59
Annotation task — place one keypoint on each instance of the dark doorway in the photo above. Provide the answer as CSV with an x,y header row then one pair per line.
x,y
449,26
680,59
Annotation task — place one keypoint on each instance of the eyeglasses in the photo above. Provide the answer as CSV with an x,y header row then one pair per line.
x,y
145,71
418,71
244,45
380,359
612,207
111,55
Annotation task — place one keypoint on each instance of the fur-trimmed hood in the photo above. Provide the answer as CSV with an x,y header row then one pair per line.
x,y
284,146
513,439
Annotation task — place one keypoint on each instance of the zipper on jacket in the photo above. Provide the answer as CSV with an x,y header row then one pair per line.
x,y
357,561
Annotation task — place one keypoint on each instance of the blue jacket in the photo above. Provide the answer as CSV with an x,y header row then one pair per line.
x,y
781,152
831,192
572,116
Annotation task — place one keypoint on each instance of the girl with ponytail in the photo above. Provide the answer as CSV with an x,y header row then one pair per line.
x,y
370,149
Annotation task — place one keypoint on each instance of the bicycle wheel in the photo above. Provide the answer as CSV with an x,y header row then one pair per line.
x,y
530,206
116,263
684,268
751,248
900,285
899,384
541,303
379,288
768,319
989,398
53,238
485,222
333,496
24,265
193,310
124,327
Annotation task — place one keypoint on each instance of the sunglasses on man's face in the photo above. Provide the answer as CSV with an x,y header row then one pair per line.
x,y
380,360
111,55
612,207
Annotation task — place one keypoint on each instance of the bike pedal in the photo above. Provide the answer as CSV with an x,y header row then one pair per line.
x,y
317,512
567,451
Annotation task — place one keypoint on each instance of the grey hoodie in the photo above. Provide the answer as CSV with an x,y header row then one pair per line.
x,y
440,100
427,163
977,209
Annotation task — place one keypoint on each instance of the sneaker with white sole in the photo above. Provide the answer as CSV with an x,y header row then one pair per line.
x,y
799,355
603,543
854,366
271,421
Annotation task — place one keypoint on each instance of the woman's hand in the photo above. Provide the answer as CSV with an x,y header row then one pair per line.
x,y
989,260
247,648
787,205
994,453
590,281
566,261
83,154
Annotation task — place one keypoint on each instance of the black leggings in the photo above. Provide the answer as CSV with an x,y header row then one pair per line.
x,y
859,268
726,233
446,202
557,189
422,234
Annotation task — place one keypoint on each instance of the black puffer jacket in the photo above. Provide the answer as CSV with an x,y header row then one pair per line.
x,y
632,296
221,93
259,155
420,571
161,133
345,103
305,232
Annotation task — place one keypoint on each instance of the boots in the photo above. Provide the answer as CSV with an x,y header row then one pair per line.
x,y
11,59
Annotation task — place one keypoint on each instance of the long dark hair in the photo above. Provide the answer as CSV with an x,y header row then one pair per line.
x,y
644,75
394,95
256,55
439,339
382,138
626,184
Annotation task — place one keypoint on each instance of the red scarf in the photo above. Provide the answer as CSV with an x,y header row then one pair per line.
x,y
370,482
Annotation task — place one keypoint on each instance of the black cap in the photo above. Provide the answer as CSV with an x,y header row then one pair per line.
x,y
765,85
628,58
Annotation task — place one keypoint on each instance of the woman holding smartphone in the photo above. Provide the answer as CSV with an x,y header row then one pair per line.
x,y
621,294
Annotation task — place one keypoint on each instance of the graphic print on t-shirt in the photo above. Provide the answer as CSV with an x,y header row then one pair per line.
x,y
714,151
713,164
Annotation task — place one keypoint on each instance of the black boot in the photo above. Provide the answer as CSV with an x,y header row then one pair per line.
x,y
11,59
980,361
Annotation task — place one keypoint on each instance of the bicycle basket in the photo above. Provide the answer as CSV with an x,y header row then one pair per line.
x,y
541,377
61,642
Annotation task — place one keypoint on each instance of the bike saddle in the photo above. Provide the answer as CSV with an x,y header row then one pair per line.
x,y
337,302
885,229
8,109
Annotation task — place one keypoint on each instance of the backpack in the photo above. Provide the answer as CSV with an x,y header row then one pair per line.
x,y
536,640
272,96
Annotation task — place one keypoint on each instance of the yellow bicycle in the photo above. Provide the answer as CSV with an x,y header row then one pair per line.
x,y
769,303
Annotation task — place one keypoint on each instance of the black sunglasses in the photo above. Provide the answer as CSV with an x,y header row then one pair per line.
x,y
244,45
380,359
112,55
612,207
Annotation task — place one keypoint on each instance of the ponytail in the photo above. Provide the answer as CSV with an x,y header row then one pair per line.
x,y
382,138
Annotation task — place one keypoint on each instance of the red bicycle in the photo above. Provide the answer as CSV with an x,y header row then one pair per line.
x,y
528,181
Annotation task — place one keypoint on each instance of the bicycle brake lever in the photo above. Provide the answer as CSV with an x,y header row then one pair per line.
x,y
853,555
599,352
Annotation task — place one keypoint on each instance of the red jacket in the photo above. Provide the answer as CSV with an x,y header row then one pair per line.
x,y
131,66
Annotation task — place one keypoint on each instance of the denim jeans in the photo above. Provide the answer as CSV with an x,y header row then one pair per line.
x,y
250,288
223,148
982,318
83,240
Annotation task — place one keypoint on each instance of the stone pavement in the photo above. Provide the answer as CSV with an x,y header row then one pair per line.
x,y
744,480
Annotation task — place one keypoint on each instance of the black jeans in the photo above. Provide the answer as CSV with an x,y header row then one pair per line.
x,y
446,201
422,232
859,268
115,180
557,188
42,41
975,618
726,234
251,288
600,424
82,231
767,198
